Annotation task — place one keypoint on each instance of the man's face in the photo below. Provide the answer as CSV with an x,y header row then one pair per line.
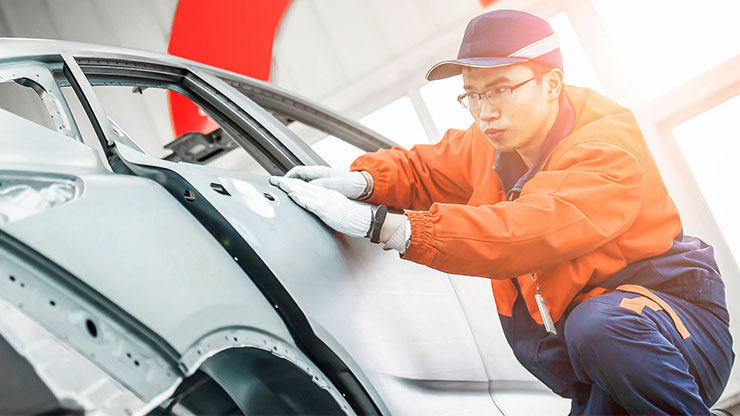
x,y
516,120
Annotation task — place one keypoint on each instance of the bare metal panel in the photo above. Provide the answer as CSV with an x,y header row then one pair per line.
x,y
398,321
66,372
161,287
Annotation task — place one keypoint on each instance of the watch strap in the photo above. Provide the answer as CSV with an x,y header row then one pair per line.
x,y
377,225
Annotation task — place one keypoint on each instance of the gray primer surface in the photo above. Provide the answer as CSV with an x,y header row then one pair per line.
x,y
162,266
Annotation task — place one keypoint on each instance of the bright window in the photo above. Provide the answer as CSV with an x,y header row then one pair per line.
x,y
337,153
664,43
440,98
710,143
577,68
397,121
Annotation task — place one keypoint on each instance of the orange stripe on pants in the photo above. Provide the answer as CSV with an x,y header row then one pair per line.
x,y
651,300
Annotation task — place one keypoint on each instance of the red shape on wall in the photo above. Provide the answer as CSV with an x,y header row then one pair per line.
x,y
235,35
486,3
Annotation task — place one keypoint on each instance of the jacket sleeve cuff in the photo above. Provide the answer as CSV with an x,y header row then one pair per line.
x,y
421,249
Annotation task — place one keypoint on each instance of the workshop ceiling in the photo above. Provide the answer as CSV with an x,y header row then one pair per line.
x,y
323,46
139,24
334,51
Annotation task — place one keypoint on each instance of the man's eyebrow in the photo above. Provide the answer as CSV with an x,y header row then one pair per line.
x,y
488,85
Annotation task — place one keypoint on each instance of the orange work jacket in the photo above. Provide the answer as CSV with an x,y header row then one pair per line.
x,y
596,205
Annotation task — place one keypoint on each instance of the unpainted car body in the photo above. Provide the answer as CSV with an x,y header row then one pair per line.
x,y
171,284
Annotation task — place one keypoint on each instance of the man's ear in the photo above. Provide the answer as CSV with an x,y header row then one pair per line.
x,y
553,83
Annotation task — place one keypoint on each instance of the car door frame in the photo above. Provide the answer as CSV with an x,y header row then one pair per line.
x,y
273,146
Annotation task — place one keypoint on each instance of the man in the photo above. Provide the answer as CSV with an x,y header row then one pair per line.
x,y
552,194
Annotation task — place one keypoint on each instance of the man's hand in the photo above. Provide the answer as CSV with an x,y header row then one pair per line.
x,y
350,184
334,209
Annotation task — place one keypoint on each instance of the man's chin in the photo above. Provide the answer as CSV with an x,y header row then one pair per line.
x,y
499,145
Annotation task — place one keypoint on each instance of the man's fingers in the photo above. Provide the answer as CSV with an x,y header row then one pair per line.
x,y
304,199
276,181
332,207
297,190
287,184
297,172
297,199
308,173
328,183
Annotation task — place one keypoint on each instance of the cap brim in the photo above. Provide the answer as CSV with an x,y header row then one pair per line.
x,y
446,69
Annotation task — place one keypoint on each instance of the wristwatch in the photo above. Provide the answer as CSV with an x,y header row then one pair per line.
x,y
377,225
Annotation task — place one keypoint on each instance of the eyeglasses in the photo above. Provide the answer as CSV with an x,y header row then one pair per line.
x,y
473,101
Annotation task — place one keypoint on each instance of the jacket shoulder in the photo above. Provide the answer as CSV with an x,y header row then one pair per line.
x,y
599,119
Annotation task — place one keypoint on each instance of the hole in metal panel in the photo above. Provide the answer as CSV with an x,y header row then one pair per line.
x,y
52,303
91,328
220,189
12,278
270,197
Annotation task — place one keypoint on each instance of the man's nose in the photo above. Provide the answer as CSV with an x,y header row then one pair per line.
x,y
489,111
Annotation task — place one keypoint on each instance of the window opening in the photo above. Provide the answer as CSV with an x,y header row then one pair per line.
x,y
398,121
23,101
440,98
258,141
336,152
28,90
288,108
577,69
663,43
710,142
143,114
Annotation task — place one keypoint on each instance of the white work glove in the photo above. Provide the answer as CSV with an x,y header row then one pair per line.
x,y
349,184
342,214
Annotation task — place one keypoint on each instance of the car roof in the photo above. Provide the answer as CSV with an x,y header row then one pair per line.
x,y
15,48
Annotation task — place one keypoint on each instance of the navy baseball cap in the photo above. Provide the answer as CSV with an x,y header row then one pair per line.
x,y
499,38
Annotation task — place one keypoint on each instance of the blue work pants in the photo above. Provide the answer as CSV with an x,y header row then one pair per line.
x,y
638,363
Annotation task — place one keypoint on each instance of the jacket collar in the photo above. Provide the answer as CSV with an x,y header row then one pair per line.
x,y
510,167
